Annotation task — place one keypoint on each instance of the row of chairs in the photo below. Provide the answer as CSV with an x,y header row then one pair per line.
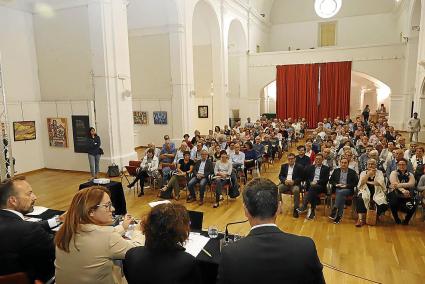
x,y
329,197
131,172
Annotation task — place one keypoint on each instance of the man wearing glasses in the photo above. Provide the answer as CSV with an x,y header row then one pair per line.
x,y
400,195
290,177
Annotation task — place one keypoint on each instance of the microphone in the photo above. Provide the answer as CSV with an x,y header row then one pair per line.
x,y
226,232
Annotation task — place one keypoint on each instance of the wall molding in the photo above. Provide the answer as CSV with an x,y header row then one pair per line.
x,y
156,30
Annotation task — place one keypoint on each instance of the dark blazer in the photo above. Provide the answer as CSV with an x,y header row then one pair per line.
x,y
324,175
268,255
93,145
304,161
25,247
297,174
208,170
142,265
352,178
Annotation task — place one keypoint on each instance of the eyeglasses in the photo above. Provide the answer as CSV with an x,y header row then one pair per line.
x,y
107,206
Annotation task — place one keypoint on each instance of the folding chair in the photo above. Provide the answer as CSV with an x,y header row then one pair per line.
x,y
132,172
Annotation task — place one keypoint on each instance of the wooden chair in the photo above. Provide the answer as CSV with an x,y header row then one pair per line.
x,y
225,189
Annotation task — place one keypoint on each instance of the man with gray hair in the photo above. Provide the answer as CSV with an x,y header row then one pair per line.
x,y
267,254
201,171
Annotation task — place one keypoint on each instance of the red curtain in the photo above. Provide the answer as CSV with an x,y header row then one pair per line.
x,y
297,92
335,87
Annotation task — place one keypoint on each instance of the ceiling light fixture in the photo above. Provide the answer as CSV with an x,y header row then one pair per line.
x,y
327,8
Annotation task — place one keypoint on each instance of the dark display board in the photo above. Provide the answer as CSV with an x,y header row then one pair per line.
x,y
80,132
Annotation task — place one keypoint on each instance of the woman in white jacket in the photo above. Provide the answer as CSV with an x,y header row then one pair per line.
x,y
148,168
371,189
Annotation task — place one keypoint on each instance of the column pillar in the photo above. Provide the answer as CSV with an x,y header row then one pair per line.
x,y
111,76
180,99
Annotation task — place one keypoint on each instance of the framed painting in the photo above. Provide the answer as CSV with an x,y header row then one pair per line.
x,y
24,130
58,132
80,132
160,117
202,111
140,117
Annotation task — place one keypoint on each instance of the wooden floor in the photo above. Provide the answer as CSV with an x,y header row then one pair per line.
x,y
385,254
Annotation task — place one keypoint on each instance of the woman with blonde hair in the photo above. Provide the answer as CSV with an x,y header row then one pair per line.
x,y
87,244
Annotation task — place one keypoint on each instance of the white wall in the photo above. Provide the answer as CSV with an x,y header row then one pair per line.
x,y
65,158
202,69
144,134
28,154
64,55
234,76
19,67
18,56
204,124
383,62
351,31
150,65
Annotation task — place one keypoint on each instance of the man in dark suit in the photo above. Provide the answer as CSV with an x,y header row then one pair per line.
x,y
202,170
290,177
343,181
24,246
302,159
268,255
317,176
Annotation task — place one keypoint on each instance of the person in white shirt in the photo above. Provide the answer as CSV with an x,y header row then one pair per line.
x,y
414,125
222,170
195,153
238,158
418,159
409,153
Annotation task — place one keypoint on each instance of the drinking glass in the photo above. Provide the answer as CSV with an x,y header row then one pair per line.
x,y
213,232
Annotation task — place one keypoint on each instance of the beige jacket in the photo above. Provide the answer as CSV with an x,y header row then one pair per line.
x,y
97,247
380,190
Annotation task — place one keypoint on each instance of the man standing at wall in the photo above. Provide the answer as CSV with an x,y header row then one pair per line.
x,y
414,125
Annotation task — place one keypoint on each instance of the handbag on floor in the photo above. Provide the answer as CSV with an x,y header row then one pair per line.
x,y
286,203
113,171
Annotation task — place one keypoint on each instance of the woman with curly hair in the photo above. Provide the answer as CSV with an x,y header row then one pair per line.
x,y
163,259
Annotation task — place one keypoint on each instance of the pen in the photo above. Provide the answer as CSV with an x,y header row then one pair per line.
x,y
207,253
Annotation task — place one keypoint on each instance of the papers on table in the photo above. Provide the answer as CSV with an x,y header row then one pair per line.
x,y
30,219
55,229
38,210
155,203
195,243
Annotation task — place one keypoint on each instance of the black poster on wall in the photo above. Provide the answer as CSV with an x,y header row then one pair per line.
x,y
80,132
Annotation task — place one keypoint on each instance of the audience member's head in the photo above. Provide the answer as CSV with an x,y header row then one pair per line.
x,y
204,154
318,159
343,163
223,156
166,227
150,153
91,205
16,194
291,159
301,150
261,201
